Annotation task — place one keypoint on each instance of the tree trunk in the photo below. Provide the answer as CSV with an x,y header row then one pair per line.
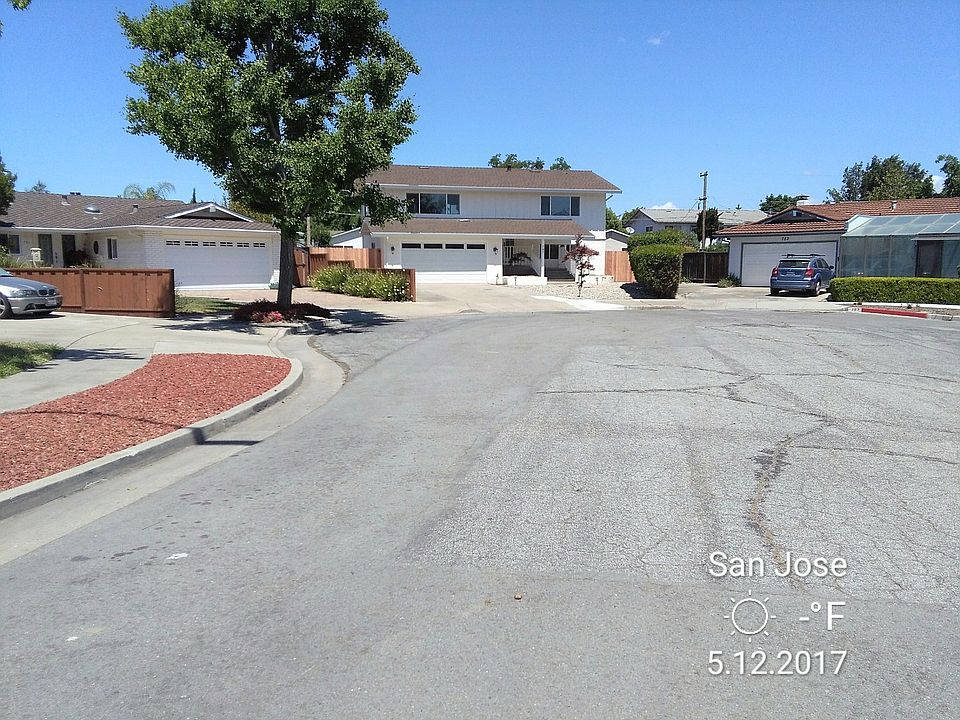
x,y
288,241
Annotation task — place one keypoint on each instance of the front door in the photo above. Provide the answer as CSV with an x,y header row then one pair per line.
x,y
929,258
46,249
69,243
552,255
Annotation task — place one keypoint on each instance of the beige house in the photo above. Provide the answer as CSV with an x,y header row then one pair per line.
x,y
206,245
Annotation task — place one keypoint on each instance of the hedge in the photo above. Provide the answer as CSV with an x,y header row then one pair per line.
x,y
932,291
360,283
657,268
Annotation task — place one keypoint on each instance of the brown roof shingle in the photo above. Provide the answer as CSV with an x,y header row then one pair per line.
x,y
485,226
835,215
491,178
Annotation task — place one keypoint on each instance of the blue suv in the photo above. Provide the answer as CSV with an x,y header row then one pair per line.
x,y
809,273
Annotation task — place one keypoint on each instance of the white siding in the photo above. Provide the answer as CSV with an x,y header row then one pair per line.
x,y
521,204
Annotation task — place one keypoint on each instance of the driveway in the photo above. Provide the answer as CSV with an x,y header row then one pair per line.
x,y
514,516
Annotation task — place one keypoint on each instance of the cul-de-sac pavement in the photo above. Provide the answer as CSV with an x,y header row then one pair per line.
x,y
514,515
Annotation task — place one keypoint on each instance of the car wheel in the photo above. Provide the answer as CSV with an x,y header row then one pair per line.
x,y
815,290
774,291
5,310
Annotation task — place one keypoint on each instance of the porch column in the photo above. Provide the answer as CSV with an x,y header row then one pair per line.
x,y
543,260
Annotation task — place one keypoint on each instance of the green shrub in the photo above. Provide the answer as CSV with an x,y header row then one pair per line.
x,y
657,268
330,279
670,236
932,291
360,283
728,281
9,261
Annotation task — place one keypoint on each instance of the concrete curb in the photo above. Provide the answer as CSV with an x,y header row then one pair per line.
x,y
38,492
919,314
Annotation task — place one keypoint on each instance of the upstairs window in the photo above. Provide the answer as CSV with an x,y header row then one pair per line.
x,y
560,205
433,204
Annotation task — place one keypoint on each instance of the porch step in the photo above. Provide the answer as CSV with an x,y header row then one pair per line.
x,y
558,275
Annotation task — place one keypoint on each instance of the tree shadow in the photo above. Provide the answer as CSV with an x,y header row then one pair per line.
x,y
206,323
355,321
637,292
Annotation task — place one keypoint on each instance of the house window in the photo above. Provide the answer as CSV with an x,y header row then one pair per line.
x,y
551,252
454,246
192,243
410,246
112,248
226,244
169,242
668,227
263,245
476,246
648,228
433,246
209,243
243,244
11,243
433,203
560,205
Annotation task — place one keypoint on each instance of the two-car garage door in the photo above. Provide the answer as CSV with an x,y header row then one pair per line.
x,y
758,259
446,262
218,262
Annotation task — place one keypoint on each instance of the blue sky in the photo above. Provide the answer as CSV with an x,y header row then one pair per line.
x,y
767,96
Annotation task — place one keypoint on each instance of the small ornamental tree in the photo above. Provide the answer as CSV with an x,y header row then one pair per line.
x,y
580,254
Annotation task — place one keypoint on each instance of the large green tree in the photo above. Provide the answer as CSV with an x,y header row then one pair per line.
x,y
291,103
883,179
7,181
950,167
512,161
17,5
777,203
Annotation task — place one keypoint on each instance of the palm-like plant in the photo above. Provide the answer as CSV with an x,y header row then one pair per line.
x,y
160,191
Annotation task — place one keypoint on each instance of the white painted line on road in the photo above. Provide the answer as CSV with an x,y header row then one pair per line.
x,y
581,303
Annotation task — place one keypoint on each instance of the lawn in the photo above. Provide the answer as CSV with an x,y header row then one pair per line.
x,y
15,357
190,305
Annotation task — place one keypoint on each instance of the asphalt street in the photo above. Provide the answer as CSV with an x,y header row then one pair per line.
x,y
513,516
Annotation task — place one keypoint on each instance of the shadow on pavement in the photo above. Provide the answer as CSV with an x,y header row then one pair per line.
x,y
355,321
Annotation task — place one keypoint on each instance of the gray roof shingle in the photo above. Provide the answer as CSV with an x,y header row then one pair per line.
x,y
68,212
491,178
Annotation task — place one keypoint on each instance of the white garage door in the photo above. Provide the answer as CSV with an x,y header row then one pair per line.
x,y
218,263
758,259
446,262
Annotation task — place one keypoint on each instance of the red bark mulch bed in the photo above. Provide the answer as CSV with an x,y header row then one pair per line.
x,y
168,393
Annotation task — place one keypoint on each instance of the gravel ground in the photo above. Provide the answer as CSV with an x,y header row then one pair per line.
x,y
611,292
169,392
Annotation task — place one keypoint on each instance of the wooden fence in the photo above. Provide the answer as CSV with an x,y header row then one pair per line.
x,y
617,264
109,291
309,262
705,267
319,257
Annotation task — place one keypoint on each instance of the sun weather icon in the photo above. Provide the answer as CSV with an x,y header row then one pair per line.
x,y
749,616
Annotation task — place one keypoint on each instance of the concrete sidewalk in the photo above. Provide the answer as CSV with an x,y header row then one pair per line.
x,y
102,348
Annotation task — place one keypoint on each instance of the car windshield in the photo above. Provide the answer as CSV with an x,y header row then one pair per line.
x,y
794,263
4,273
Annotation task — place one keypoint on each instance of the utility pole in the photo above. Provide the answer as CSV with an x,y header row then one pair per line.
x,y
703,213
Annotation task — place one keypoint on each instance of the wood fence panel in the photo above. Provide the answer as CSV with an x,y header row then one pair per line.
x,y
300,259
705,267
617,264
113,291
360,258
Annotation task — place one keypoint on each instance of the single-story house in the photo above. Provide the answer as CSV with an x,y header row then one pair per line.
x,y
656,219
206,244
851,237
488,225
617,240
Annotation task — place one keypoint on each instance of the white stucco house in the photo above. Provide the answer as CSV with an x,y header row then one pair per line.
x,y
850,237
656,219
206,245
488,225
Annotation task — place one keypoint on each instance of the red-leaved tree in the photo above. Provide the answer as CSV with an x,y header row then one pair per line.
x,y
580,254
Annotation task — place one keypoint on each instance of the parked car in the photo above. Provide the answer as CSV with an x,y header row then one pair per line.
x,y
19,296
809,273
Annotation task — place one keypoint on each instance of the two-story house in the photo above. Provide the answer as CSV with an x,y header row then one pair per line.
x,y
487,225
